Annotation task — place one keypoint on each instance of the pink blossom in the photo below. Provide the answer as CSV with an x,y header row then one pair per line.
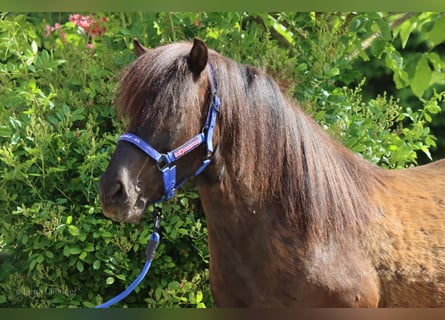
x,y
48,30
63,36
74,17
89,24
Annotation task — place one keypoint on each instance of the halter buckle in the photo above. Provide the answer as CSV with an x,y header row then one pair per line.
x,y
157,216
162,163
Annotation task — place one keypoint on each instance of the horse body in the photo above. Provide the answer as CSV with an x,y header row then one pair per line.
x,y
398,262
407,239
294,218
260,265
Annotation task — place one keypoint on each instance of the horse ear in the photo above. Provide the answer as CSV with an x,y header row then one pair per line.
x,y
198,56
138,48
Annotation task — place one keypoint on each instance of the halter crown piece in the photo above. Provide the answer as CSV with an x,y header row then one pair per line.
x,y
165,162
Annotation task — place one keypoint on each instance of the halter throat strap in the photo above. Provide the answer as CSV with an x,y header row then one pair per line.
x,y
166,162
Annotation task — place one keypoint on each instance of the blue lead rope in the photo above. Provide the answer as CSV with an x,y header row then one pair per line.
x,y
149,254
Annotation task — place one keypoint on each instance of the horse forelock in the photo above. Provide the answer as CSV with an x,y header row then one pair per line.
x,y
153,89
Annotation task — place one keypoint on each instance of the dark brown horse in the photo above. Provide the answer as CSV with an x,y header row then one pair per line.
x,y
294,218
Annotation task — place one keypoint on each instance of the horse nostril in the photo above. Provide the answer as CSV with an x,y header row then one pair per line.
x,y
117,192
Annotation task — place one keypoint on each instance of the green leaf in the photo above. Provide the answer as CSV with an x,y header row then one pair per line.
x,y
422,77
60,228
2,299
15,139
40,259
66,251
88,304
121,277
110,280
75,250
184,201
25,239
396,59
437,34
173,285
34,47
89,247
83,255
378,46
384,29
79,266
334,72
5,131
433,108
426,151
73,230
198,296
282,30
158,293
401,79
355,24
32,265
435,60
429,140
405,31
66,109
96,265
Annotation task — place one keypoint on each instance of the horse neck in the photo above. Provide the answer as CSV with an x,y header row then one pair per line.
x,y
284,161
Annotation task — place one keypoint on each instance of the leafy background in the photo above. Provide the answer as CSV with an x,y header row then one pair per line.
x,y
373,80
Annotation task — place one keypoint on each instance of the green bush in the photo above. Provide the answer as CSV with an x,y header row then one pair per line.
x,y
58,129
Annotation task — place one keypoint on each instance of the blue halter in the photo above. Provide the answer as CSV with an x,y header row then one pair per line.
x,y
165,162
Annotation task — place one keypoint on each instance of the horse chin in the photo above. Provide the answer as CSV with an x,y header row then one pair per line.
x,y
129,215
125,212
133,217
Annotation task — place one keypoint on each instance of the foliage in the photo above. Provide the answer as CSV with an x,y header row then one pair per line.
x,y
57,134
405,60
378,127
58,129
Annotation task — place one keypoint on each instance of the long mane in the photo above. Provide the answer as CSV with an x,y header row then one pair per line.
x,y
275,152
272,151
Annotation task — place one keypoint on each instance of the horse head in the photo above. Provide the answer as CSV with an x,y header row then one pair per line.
x,y
166,93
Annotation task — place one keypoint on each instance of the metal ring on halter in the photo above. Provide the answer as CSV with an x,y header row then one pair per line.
x,y
162,163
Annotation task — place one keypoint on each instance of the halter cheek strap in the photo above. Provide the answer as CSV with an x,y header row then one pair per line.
x,y
165,162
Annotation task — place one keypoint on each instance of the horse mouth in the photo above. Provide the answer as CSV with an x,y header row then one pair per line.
x,y
137,213
128,217
127,213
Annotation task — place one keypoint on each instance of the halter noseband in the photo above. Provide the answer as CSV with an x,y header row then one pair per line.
x,y
165,162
